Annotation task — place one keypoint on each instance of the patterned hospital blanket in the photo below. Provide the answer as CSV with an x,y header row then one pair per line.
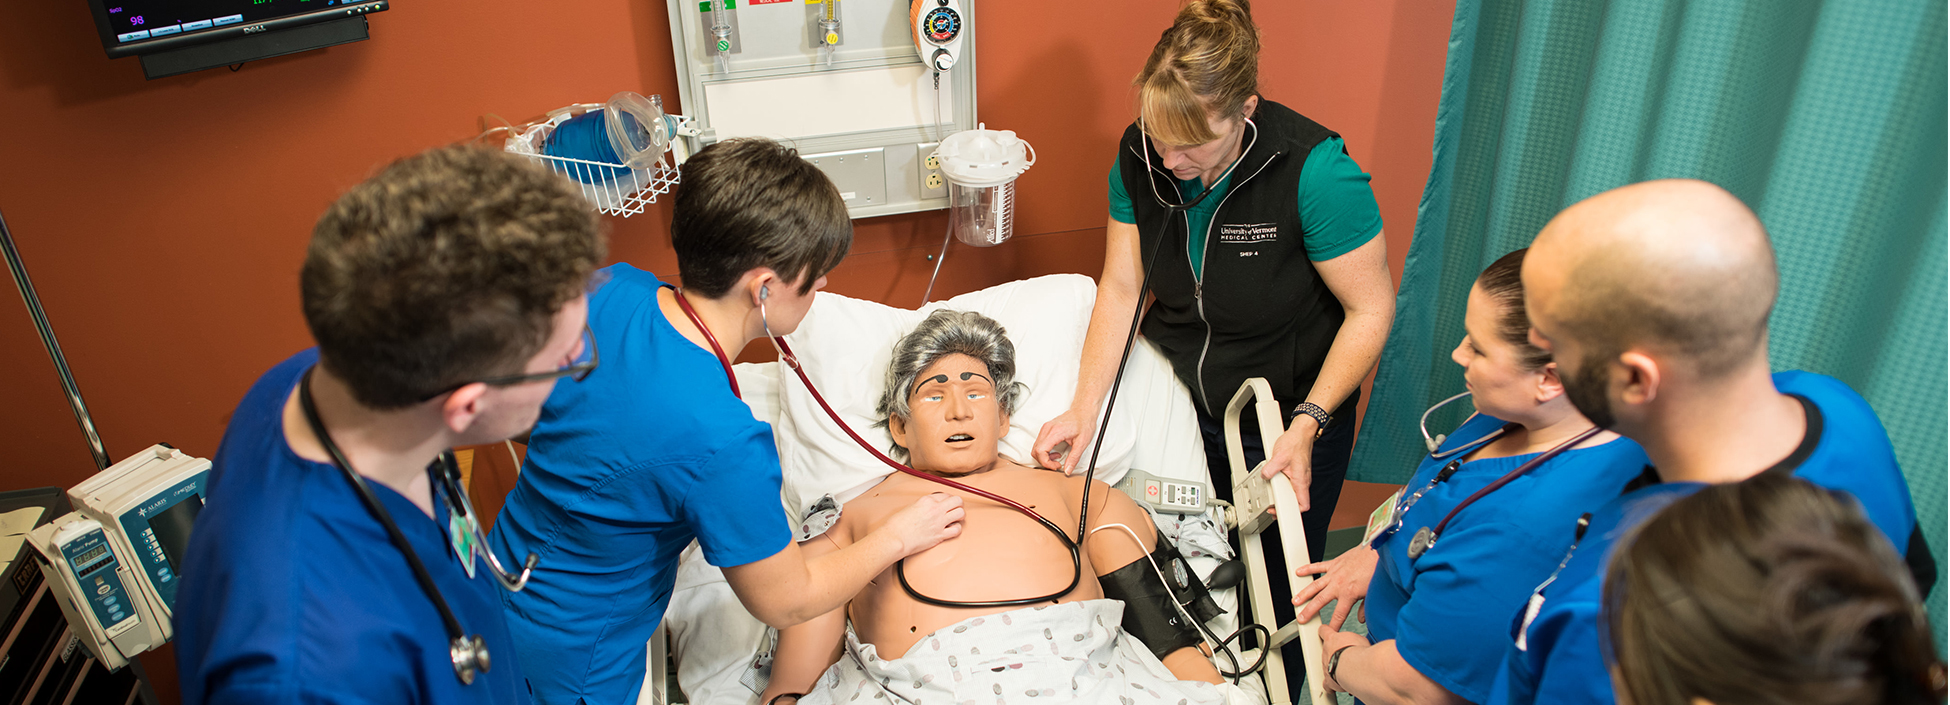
x,y
1069,653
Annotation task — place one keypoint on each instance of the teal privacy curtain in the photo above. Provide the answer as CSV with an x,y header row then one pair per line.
x,y
1827,118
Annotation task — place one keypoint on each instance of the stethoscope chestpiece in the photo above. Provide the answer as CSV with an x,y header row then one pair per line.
x,y
470,655
1420,542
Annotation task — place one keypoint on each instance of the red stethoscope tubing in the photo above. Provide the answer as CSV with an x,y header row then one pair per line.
x,y
792,361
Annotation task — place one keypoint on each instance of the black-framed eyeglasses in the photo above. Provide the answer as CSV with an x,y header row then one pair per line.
x,y
577,369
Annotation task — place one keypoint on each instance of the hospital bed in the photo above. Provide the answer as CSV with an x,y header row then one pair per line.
x,y
844,346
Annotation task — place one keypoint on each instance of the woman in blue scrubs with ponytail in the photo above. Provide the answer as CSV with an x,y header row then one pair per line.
x,y
1442,572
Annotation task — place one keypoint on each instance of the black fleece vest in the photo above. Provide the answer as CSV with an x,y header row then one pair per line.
x,y
1262,310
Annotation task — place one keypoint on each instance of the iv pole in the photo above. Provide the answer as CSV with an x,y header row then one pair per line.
x,y
39,314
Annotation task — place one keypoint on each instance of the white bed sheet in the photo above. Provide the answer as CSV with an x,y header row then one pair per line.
x,y
845,345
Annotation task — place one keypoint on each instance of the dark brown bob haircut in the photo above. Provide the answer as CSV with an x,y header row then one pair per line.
x,y
1770,590
748,203
446,267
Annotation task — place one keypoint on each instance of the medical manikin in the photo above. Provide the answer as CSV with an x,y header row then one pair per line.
x,y
949,394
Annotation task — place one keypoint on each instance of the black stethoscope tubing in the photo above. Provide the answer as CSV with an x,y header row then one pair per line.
x,y
468,653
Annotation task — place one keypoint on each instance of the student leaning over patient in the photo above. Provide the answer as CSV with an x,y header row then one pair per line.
x,y
950,390
655,449
1437,621
1769,590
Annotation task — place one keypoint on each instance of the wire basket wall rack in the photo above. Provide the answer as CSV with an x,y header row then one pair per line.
x,y
613,188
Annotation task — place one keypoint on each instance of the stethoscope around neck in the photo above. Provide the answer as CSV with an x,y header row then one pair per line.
x,y
1425,537
1200,198
468,653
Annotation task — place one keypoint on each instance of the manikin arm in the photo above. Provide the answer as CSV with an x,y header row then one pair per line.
x,y
1113,548
806,650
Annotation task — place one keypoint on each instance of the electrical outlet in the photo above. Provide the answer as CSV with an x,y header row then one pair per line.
x,y
933,184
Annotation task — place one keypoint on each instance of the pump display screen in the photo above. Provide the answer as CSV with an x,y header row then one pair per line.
x,y
88,558
172,527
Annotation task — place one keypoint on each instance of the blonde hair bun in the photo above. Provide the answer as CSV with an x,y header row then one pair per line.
x,y
1206,63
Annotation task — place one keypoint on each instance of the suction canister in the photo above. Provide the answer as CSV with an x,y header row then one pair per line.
x,y
981,166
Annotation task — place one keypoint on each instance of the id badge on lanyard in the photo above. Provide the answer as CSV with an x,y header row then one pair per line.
x,y
1536,602
460,536
1381,519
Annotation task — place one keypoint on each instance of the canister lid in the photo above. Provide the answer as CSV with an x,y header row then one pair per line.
x,y
984,157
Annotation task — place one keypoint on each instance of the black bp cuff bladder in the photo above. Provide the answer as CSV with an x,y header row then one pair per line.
x,y
1148,611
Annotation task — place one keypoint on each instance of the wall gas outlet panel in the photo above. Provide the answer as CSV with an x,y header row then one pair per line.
x,y
862,88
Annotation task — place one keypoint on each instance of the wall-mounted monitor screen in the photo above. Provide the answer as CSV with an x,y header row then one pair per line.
x,y
134,27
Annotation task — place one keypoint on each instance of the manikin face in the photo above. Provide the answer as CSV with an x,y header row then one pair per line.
x,y
1492,366
514,408
957,421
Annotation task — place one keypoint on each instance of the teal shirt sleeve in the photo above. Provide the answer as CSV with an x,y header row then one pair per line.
x,y
1337,207
1120,203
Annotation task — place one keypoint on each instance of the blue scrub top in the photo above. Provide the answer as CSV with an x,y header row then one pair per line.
x,y
1447,611
1563,655
292,592
624,469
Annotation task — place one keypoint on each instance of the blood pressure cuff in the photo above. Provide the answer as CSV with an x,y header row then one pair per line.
x,y
1148,611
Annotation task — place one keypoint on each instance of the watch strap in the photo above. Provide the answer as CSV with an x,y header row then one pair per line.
x,y
1320,416
1334,663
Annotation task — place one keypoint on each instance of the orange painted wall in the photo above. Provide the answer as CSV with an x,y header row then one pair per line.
x,y
164,221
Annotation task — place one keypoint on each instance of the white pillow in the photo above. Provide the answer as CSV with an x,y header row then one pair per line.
x,y
846,344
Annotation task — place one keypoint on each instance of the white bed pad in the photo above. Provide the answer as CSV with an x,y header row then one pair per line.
x,y
845,345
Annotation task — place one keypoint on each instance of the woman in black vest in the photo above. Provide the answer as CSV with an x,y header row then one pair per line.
x,y
1270,263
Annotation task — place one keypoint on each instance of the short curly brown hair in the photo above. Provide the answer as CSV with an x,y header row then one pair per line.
x,y
445,267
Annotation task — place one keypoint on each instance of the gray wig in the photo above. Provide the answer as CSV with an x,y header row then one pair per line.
x,y
947,333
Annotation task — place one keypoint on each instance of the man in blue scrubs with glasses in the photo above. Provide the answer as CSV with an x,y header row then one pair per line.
x,y
337,560
1654,298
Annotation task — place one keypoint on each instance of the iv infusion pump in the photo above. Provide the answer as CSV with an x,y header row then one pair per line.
x,y
114,562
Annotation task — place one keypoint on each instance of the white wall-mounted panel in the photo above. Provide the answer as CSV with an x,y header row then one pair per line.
x,y
828,103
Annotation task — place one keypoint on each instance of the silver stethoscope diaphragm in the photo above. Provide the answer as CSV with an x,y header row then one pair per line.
x,y
1436,442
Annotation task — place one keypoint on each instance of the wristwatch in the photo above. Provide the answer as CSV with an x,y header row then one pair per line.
x,y
1334,663
1311,409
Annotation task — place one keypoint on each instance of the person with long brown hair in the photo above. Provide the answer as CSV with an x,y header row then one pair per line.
x,y
1771,590
1262,242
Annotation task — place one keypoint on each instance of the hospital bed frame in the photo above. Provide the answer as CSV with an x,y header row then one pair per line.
x,y
1252,496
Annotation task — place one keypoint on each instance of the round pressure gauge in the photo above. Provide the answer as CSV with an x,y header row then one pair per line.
x,y
941,25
